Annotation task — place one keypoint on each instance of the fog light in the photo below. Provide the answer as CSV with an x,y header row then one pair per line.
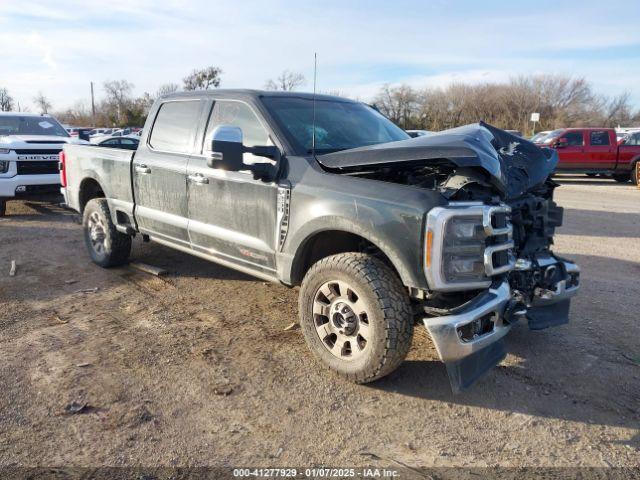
x,y
477,328
21,188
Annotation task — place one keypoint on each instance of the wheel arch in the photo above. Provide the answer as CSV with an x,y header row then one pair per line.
x,y
327,241
89,189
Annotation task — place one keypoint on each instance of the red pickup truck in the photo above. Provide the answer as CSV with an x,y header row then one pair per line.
x,y
595,151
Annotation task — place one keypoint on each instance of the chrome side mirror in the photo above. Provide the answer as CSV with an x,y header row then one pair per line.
x,y
226,148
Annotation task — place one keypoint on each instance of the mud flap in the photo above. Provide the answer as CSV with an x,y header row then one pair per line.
x,y
464,372
549,315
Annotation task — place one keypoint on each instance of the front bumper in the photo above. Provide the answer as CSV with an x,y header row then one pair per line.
x,y
470,340
12,186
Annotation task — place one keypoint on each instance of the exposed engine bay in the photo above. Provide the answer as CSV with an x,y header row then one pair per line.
x,y
481,164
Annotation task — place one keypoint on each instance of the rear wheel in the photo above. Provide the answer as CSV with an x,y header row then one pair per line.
x,y
107,246
3,207
356,316
635,172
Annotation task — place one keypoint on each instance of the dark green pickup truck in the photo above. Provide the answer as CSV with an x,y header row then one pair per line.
x,y
380,231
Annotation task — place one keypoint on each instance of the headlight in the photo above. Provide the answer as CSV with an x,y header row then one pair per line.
x,y
4,165
463,250
4,151
466,244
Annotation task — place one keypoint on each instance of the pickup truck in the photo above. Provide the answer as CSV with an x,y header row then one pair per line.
x,y
29,148
380,231
594,151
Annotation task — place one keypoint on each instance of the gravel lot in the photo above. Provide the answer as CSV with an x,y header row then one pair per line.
x,y
196,368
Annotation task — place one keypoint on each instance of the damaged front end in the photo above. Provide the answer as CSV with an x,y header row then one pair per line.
x,y
488,258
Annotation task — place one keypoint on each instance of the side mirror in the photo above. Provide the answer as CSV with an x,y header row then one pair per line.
x,y
226,148
561,143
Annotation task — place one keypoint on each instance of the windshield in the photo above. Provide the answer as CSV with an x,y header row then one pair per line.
x,y
552,136
339,125
30,125
538,137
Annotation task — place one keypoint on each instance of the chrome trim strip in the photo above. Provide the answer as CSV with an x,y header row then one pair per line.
x,y
488,259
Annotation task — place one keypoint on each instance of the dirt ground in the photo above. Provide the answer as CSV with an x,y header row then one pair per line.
x,y
196,368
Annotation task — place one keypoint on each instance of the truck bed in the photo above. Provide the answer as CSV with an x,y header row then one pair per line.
x,y
109,167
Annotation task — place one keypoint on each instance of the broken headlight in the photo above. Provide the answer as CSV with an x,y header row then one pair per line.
x,y
466,245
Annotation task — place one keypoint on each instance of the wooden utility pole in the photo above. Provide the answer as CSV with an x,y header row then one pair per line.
x,y
93,106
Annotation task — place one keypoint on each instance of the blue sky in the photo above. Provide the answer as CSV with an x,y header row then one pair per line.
x,y
58,47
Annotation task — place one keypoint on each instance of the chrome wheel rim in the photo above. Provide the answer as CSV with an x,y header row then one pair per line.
x,y
341,320
97,233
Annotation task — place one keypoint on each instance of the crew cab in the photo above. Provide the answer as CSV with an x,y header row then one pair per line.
x,y
29,148
594,151
381,231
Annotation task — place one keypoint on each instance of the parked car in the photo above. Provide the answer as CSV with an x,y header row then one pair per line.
x,y
380,230
128,143
594,151
540,136
29,147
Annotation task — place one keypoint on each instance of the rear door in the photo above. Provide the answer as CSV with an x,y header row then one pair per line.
x,y
232,216
601,150
572,155
160,171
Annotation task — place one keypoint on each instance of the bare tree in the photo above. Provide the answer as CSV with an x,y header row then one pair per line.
x,y
286,81
6,100
118,97
561,101
42,103
203,79
167,88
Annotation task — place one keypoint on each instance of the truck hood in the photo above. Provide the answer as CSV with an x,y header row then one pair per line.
x,y
514,165
35,141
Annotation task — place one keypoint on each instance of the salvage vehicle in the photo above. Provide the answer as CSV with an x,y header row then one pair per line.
x,y
29,148
380,230
595,151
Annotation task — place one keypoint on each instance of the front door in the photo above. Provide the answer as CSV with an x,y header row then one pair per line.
x,y
160,171
232,216
572,155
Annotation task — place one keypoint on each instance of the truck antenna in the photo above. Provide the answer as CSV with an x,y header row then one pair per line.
x,y
313,132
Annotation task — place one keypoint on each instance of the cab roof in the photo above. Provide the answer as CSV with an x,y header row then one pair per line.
x,y
249,93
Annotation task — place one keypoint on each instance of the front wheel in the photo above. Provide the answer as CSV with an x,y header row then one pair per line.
x,y
107,246
356,316
635,172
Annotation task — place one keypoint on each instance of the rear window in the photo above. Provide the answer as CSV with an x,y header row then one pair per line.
x,y
599,137
175,126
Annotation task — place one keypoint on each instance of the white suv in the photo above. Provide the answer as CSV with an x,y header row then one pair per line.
x,y
29,147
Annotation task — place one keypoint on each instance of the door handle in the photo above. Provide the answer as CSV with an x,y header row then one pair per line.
x,y
198,179
142,168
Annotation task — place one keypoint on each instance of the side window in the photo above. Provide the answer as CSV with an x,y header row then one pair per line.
x,y
574,139
111,143
228,112
599,138
174,126
633,139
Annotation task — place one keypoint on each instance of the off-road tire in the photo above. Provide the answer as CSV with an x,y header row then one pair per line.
x,y
389,314
621,177
117,245
3,207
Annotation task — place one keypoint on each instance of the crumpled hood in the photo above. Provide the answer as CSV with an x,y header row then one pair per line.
x,y
514,164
